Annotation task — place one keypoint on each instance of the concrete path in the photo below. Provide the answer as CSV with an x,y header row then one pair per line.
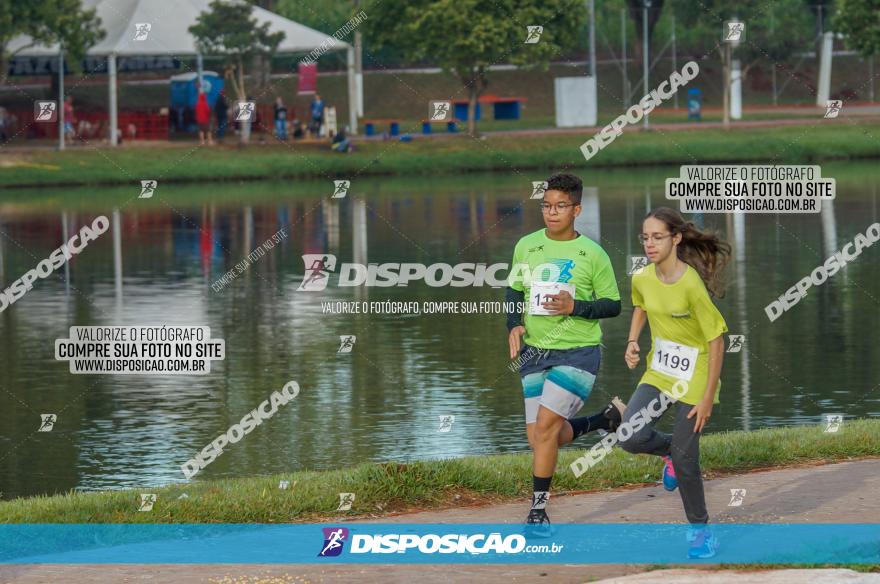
x,y
835,493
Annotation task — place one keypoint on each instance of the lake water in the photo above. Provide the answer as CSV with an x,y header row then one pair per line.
x,y
383,400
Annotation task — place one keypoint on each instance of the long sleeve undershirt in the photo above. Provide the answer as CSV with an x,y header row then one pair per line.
x,y
589,309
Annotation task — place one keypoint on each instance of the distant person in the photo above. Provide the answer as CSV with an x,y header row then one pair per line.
x,y
317,115
298,129
280,119
69,132
203,119
340,142
221,110
5,124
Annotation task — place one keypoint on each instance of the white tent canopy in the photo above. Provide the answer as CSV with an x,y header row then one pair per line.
x,y
169,21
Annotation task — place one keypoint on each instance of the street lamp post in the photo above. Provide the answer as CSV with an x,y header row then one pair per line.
x,y
645,7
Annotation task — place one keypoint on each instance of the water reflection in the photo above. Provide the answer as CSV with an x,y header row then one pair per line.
x,y
739,256
382,401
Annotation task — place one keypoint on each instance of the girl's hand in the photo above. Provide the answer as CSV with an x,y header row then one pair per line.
x,y
703,411
632,354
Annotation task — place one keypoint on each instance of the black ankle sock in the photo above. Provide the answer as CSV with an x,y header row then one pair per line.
x,y
541,484
589,423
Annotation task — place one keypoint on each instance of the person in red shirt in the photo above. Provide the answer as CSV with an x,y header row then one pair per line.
x,y
203,119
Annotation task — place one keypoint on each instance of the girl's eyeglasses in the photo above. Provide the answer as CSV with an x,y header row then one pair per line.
x,y
654,237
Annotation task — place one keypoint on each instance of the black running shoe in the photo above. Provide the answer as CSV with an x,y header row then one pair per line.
x,y
538,524
614,413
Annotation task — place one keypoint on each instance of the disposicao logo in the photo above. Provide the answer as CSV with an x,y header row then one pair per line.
x,y
319,268
334,541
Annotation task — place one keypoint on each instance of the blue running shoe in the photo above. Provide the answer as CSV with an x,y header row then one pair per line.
x,y
670,483
703,542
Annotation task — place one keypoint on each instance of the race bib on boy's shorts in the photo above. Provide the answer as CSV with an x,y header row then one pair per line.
x,y
674,359
539,292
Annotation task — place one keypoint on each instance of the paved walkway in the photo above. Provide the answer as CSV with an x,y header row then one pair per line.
x,y
835,493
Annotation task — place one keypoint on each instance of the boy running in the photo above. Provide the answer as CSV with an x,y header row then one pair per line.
x,y
568,284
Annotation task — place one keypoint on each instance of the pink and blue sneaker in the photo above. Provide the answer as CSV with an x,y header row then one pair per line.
x,y
670,483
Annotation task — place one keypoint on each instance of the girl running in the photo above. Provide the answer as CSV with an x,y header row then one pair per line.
x,y
673,295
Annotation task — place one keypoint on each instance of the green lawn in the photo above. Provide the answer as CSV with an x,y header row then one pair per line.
x,y
809,143
382,488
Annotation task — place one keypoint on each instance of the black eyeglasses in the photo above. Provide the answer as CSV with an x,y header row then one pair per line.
x,y
561,207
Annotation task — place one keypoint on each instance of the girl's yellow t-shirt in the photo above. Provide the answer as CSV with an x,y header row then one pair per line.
x,y
683,319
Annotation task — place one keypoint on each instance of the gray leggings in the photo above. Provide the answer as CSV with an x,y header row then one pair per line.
x,y
683,445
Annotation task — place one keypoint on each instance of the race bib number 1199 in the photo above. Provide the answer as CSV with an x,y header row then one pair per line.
x,y
673,359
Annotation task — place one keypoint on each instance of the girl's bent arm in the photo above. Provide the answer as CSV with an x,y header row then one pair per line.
x,y
716,358
639,318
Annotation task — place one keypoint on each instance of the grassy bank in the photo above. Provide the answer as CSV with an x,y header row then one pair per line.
x,y
391,487
809,143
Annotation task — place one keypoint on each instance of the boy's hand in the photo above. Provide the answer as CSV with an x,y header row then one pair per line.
x,y
561,303
514,339
632,354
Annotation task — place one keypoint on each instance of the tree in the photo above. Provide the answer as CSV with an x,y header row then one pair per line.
x,y
331,15
466,37
859,21
773,31
47,22
228,30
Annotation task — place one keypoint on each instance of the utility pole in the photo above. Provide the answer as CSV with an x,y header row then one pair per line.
x,y
61,119
359,63
592,9
773,65
645,7
623,51
674,59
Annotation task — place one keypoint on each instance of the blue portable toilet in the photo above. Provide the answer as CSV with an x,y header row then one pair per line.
x,y
695,99
185,92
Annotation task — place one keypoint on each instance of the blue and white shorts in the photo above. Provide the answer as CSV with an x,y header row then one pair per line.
x,y
558,379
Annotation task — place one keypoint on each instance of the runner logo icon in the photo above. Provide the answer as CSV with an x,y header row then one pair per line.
x,y
533,34
737,496
736,343
244,111
340,188
318,268
832,108
833,422
439,110
48,422
346,343
637,264
735,31
142,30
539,187
334,541
45,111
147,188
